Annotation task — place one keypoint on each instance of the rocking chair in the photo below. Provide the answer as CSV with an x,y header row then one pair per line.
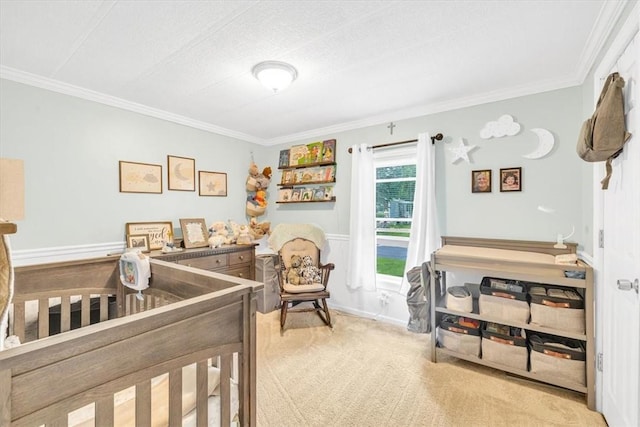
x,y
295,293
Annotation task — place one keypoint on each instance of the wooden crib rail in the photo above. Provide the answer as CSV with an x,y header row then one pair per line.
x,y
43,381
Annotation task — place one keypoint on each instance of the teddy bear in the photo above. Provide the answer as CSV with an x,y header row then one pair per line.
x,y
266,172
219,228
258,229
243,236
293,276
252,179
309,272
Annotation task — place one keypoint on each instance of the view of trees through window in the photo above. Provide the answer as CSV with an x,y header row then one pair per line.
x,y
395,187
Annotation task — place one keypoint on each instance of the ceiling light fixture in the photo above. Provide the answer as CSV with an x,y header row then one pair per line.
x,y
275,75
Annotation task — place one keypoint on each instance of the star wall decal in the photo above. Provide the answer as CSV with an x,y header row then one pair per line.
x,y
461,151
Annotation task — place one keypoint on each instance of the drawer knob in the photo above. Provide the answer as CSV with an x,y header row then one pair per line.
x,y
241,257
217,261
240,275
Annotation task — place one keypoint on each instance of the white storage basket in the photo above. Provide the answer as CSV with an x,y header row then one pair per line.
x,y
459,299
459,342
557,312
558,357
509,310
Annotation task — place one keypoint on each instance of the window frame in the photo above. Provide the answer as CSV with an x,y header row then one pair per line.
x,y
389,157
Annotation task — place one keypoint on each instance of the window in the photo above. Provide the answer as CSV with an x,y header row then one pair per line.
x,y
395,187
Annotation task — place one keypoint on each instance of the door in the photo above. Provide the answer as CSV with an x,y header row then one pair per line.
x,y
621,264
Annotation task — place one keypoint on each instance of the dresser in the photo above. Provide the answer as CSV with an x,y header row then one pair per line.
x,y
234,260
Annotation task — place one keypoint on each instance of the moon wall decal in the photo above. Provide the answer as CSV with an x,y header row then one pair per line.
x,y
545,144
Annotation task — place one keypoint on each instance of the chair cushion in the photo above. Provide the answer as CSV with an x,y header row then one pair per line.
x,y
299,289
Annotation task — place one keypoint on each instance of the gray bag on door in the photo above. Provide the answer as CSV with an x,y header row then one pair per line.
x,y
418,299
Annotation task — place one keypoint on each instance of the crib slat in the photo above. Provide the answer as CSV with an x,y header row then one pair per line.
x,y
104,411
104,307
43,317
65,313
5,397
85,311
175,397
202,394
143,404
18,320
225,390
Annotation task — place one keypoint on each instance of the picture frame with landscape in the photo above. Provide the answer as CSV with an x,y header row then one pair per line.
x,y
138,241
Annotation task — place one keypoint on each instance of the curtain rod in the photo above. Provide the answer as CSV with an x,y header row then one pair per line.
x,y
438,137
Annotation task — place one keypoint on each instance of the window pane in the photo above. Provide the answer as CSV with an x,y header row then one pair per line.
x,y
404,171
395,187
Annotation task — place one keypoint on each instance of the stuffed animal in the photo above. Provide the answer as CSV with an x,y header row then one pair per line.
x,y
293,275
309,272
258,229
216,241
252,179
261,198
243,236
267,172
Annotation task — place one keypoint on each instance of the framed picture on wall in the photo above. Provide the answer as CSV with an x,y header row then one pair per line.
x,y
212,183
481,181
182,173
140,177
511,179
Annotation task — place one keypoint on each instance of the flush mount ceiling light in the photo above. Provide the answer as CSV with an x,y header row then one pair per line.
x,y
275,75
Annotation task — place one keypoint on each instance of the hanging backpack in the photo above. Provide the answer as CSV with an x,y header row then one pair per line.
x,y
602,136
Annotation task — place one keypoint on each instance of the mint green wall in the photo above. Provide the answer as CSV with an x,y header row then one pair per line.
x,y
71,148
554,181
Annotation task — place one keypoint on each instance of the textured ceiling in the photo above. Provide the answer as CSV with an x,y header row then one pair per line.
x,y
359,62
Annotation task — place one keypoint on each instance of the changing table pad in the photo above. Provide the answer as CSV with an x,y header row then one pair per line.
x,y
497,254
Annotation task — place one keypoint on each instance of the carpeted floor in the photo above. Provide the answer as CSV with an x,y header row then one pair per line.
x,y
368,373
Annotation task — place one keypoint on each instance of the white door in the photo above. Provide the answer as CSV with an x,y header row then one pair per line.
x,y
621,256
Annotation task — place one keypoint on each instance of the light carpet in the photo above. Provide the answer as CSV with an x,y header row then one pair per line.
x,y
369,373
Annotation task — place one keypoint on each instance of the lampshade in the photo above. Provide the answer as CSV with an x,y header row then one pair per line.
x,y
11,189
275,75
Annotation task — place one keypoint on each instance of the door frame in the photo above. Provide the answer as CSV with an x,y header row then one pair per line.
x,y
619,44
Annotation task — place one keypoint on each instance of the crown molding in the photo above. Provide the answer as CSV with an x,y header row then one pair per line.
x,y
609,15
90,95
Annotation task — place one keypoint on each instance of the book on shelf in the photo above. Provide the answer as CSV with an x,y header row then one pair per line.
x,y
283,162
284,194
329,174
287,177
314,155
298,155
318,193
328,192
329,150
296,194
307,194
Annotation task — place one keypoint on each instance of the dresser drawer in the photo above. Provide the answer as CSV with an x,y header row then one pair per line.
x,y
243,272
212,262
242,257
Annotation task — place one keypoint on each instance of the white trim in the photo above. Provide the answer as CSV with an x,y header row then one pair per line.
x,y
90,95
66,253
622,39
368,315
609,14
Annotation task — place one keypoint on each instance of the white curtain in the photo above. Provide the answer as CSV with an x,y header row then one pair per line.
x,y
361,271
425,235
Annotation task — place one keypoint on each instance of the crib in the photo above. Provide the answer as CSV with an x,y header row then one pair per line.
x,y
114,351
